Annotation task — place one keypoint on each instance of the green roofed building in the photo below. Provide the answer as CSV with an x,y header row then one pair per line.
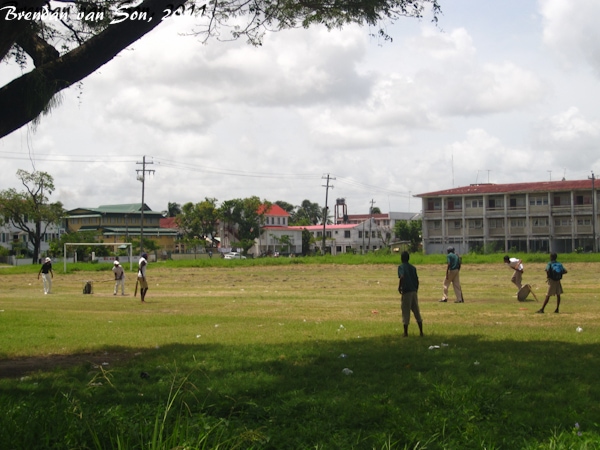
x,y
122,223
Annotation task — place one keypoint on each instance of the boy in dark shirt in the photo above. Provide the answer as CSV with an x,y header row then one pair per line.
x,y
408,287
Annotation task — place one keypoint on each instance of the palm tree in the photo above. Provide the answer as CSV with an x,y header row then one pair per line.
x,y
173,209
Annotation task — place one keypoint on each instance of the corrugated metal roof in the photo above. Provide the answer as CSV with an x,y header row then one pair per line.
x,y
539,186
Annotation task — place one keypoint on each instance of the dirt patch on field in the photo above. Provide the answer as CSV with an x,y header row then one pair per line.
x,y
18,367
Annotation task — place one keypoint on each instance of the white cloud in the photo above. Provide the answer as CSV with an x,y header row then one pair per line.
x,y
571,29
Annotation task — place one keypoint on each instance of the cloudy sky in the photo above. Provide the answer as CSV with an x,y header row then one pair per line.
x,y
498,92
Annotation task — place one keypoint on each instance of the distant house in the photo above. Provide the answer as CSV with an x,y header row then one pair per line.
x,y
276,234
348,238
122,223
16,241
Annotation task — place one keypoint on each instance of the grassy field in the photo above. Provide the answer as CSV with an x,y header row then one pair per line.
x,y
251,354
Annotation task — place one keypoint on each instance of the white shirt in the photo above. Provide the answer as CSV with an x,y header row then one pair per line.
x,y
515,263
142,264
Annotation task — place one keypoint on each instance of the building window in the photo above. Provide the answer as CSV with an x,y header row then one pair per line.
x,y
496,223
562,222
539,221
347,234
538,201
319,234
328,234
360,234
517,202
585,222
434,205
583,200
495,203
457,224
454,204
476,223
476,203
517,223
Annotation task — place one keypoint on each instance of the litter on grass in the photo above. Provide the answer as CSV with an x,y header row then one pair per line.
x,y
347,371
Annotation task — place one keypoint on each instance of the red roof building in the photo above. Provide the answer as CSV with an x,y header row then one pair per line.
x,y
559,216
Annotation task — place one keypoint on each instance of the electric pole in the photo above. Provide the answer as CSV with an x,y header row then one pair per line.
x,y
370,221
595,246
142,178
327,186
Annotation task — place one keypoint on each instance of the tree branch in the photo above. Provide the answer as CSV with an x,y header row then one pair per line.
x,y
30,94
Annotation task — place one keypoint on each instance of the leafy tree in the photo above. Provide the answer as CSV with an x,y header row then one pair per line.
x,y
307,213
375,210
307,241
173,209
30,210
243,219
411,231
199,221
149,246
287,207
87,43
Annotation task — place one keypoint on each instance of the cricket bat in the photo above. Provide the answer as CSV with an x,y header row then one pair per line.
x,y
136,286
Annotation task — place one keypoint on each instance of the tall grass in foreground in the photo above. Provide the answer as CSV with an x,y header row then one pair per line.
x,y
254,358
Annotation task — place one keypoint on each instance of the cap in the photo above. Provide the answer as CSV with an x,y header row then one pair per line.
x,y
48,260
116,263
144,255
450,249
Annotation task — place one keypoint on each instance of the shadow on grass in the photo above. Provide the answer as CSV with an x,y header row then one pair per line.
x,y
457,392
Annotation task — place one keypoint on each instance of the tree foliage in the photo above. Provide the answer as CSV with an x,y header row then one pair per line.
x,y
308,213
92,33
30,210
243,218
410,231
199,221
173,209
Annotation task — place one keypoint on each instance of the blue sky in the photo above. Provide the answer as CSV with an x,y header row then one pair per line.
x,y
498,91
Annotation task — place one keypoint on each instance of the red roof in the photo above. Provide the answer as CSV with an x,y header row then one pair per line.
x,y
540,186
274,210
167,222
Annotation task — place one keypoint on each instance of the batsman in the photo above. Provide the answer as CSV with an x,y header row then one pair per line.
x,y
141,279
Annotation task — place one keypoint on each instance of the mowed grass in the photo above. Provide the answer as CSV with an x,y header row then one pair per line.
x,y
253,356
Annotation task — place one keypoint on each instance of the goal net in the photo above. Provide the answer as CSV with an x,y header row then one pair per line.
x,y
94,244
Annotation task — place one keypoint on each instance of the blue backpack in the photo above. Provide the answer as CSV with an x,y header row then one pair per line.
x,y
556,271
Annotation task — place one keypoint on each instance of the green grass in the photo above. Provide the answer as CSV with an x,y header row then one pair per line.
x,y
250,354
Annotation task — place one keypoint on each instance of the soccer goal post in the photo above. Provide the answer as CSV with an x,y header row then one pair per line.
x,y
94,244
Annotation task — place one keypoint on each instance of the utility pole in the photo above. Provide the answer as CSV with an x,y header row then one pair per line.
x,y
370,220
327,186
142,178
595,246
